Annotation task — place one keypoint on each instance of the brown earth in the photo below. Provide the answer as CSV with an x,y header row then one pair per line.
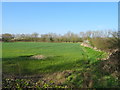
x,y
112,64
57,77
38,57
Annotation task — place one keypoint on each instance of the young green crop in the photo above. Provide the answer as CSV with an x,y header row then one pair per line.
x,y
59,57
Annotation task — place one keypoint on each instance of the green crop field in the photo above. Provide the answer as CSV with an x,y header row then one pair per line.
x,y
59,57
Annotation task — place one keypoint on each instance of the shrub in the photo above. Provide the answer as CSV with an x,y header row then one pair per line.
x,y
7,37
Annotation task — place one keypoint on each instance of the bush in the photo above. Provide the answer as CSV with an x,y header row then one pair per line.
x,y
7,37
100,43
106,44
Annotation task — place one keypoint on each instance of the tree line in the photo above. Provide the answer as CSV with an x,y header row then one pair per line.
x,y
104,40
53,37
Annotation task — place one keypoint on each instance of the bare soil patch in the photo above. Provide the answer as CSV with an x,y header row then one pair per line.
x,y
57,77
37,57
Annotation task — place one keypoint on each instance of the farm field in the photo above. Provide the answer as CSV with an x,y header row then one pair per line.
x,y
57,57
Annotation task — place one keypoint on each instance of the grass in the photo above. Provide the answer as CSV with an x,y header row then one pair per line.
x,y
60,57
82,61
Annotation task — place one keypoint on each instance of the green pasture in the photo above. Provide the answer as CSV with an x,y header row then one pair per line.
x,y
59,57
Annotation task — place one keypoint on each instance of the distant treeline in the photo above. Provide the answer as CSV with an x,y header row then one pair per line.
x,y
52,37
100,39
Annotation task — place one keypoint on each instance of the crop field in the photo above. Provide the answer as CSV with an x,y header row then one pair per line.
x,y
59,57
18,60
